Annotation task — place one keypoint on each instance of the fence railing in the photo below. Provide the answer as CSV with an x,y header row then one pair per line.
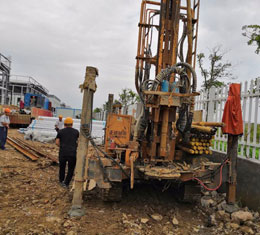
x,y
213,102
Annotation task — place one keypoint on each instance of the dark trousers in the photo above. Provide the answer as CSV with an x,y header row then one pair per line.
x,y
3,136
71,166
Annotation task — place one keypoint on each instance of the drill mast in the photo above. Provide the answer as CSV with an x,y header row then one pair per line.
x,y
164,19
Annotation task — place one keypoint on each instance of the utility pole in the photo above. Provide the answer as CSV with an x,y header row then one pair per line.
x,y
232,118
88,88
110,103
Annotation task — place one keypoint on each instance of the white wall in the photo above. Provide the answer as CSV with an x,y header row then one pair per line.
x,y
54,102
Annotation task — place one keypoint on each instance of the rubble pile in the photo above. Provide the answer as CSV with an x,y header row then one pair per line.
x,y
230,219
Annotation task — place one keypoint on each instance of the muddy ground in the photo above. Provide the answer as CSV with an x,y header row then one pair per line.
x,y
32,202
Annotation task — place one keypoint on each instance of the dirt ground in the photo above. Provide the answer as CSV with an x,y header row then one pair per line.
x,y
32,202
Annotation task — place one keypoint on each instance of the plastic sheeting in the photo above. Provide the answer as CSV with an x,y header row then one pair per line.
x,y
43,129
232,116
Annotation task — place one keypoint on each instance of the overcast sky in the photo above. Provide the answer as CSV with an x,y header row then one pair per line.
x,y
54,40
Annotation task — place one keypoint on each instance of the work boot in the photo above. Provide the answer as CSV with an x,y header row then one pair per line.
x,y
64,185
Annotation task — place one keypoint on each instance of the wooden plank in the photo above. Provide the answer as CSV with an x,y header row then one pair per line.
x,y
21,149
37,151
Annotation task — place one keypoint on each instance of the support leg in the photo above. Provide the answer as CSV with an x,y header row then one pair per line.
x,y
232,179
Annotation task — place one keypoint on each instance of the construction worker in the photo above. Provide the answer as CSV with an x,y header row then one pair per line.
x,y
59,124
4,125
21,104
33,101
67,139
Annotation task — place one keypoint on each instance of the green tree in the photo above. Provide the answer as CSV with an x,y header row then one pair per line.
x,y
252,32
217,70
127,97
97,110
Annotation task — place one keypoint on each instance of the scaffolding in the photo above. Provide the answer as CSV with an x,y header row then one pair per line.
x,y
5,67
19,85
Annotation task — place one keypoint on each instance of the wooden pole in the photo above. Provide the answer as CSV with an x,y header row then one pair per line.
x,y
110,103
88,88
232,173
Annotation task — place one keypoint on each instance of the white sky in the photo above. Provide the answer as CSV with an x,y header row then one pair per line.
x,y
54,40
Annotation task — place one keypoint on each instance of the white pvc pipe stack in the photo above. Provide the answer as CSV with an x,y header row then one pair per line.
x,y
43,129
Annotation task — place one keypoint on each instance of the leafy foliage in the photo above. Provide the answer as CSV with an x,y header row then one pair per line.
x,y
252,32
97,110
127,97
217,69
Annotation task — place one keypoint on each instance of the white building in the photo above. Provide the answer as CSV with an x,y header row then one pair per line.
x,y
5,67
19,85
55,102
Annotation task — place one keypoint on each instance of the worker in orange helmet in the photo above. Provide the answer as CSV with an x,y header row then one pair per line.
x,y
59,124
67,140
4,125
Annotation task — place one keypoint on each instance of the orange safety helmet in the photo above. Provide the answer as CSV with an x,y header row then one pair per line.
x,y
60,116
68,121
7,110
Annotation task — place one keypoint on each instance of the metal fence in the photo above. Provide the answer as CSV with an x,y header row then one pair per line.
x,y
213,102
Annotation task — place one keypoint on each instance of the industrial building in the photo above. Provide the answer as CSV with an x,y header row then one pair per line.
x,y
5,67
55,101
14,88
20,85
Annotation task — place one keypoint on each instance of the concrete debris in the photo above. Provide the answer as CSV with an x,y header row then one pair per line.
x,y
214,194
241,216
230,208
228,218
167,230
144,220
247,230
256,215
132,224
211,221
53,219
223,216
206,201
67,224
233,226
157,217
175,221
221,206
